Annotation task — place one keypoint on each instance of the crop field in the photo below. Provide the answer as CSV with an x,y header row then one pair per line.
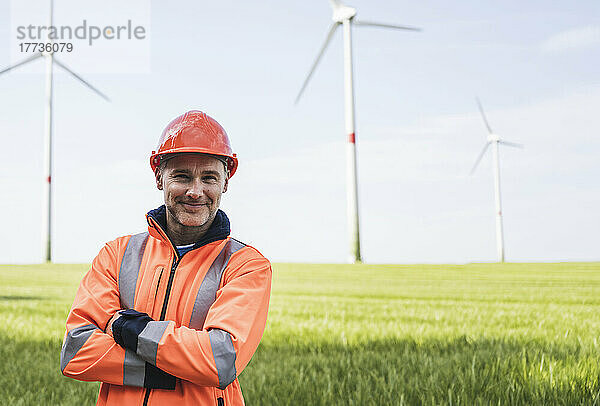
x,y
476,334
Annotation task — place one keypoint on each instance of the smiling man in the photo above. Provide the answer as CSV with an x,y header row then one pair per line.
x,y
172,316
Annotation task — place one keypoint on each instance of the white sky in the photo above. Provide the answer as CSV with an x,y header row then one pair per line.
x,y
535,65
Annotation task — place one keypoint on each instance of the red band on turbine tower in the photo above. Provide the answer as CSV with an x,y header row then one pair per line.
x,y
49,179
351,138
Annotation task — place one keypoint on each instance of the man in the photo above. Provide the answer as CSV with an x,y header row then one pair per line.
x,y
172,316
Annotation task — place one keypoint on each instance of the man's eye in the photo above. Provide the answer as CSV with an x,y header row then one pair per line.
x,y
181,176
210,179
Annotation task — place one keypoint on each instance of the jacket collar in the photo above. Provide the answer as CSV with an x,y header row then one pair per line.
x,y
157,226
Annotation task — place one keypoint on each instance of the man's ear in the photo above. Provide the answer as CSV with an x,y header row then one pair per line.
x,y
158,176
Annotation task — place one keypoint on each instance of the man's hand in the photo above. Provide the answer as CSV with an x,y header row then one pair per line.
x,y
126,326
109,325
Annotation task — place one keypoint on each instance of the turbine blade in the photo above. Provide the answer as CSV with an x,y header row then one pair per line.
x,y
485,147
98,92
382,25
321,52
23,62
511,144
334,3
483,115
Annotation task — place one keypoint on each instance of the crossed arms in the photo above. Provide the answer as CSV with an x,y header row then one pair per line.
x,y
147,353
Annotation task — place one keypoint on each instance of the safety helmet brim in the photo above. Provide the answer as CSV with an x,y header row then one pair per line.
x,y
156,158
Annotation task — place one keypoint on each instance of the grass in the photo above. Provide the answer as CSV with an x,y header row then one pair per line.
x,y
477,334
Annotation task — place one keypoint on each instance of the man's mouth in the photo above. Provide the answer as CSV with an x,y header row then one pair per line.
x,y
194,205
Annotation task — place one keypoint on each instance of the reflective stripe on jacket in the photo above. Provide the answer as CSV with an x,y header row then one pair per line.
x,y
209,310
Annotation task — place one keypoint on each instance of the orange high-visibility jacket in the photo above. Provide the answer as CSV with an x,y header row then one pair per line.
x,y
207,313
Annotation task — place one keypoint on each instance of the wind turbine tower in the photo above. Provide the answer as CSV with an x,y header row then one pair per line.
x,y
50,61
345,16
494,140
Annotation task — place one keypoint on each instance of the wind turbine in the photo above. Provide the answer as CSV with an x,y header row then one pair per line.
x,y
495,141
345,16
50,61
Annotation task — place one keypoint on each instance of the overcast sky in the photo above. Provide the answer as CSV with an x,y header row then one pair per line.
x,y
535,65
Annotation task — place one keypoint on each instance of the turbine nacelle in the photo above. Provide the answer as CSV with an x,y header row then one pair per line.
x,y
493,138
342,12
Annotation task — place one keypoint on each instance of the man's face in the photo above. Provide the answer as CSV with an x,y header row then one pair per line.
x,y
192,185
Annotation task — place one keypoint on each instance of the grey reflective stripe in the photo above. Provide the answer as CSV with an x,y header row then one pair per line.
x,y
208,289
224,354
130,267
147,344
134,369
73,343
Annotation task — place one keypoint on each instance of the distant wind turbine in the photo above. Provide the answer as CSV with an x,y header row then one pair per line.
x,y
495,140
50,61
344,15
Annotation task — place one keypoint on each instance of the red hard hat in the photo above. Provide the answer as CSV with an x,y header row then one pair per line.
x,y
194,131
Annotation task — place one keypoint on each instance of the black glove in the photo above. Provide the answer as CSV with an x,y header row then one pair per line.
x,y
128,327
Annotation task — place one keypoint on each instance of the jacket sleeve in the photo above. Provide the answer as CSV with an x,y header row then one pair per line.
x,y
217,354
89,354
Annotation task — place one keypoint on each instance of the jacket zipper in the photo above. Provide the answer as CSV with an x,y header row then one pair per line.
x,y
146,396
158,283
163,312
164,308
220,402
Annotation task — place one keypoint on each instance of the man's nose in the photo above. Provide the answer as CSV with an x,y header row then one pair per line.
x,y
196,189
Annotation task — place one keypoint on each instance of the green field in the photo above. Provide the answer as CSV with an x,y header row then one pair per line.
x,y
513,334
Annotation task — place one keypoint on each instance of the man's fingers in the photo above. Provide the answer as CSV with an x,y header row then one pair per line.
x,y
111,321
